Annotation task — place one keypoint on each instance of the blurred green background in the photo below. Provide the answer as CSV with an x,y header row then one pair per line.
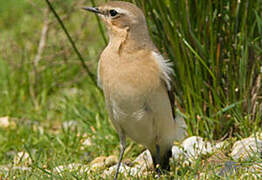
x,y
215,45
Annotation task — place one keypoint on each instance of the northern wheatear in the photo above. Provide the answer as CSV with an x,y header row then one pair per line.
x,y
135,79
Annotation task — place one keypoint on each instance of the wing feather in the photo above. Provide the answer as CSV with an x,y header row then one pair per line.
x,y
166,73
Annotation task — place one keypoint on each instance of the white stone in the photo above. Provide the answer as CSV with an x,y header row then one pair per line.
x,y
246,148
144,160
110,160
103,162
4,122
87,142
4,168
98,163
69,124
248,175
195,146
11,167
22,158
256,167
126,170
59,169
220,145
71,91
71,167
21,168
177,152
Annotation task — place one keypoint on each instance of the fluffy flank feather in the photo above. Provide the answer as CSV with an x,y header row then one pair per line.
x,y
165,67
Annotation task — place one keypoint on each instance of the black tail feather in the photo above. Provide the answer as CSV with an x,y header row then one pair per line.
x,y
164,161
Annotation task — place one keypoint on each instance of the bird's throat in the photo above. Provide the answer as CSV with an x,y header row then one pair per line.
x,y
129,40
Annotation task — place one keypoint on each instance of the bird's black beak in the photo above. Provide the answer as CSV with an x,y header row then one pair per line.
x,y
93,9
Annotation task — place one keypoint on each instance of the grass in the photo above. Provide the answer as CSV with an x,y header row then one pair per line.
x,y
216,48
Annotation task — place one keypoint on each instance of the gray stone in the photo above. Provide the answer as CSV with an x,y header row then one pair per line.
x,y
246,148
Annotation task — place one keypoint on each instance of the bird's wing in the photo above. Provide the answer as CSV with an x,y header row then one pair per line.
x,y
172,102
166,73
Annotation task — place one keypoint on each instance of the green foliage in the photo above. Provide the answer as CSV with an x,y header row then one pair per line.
x,y
216,50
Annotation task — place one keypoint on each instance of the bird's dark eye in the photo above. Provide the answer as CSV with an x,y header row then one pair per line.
x,y
113,12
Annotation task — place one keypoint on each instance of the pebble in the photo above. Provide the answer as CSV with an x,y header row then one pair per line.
x,y
22,158
6,123
69,124
72,167
256,170
111,160
144,161
195,146
177,153
86,142
246,148
7,168
98,163
191,148
126,170
103,162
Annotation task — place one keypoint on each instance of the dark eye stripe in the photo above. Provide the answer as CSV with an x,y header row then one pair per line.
x,y
113,12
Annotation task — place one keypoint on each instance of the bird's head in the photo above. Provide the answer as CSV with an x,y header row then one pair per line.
x,y
120,15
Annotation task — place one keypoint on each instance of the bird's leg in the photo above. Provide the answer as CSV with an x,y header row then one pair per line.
x,y
158,160
122,150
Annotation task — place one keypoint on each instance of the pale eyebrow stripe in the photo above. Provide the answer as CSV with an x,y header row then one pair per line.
x,y
124,11
121,11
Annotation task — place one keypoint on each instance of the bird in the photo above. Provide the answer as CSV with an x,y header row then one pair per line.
x,y
136,82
